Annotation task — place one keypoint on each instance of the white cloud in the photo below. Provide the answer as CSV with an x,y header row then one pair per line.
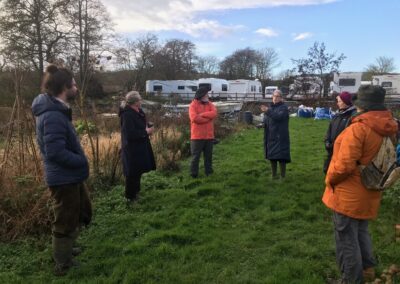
x,y
268,32
302,36
187,16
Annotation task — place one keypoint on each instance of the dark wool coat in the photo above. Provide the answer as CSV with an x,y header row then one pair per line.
x,y
338,123
136,152
276,133
63,157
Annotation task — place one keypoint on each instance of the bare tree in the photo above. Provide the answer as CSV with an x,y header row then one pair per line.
x,y
382,65
30,28
207,65
319,63
90,26
241,64
249,63
268,59
175,60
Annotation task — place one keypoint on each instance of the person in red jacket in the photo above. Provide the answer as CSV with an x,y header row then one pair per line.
x,y
202,113
351,202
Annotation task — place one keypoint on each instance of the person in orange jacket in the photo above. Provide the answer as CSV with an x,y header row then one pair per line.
x,y
202,113
352,203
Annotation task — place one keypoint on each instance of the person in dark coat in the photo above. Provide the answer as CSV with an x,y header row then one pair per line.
x,y
338,123
136,152
65,164
276,134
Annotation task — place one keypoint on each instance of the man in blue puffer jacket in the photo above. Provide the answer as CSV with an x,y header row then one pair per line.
x,y
65,163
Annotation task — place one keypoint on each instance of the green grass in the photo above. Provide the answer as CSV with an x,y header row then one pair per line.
x,y
236,226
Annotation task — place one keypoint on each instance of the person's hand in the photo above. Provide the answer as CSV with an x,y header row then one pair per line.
x,y
150,130
263,108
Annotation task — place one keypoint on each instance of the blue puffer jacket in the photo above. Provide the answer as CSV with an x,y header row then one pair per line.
x,y
64,159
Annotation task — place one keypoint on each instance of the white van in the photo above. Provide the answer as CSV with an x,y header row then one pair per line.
x,y
269,91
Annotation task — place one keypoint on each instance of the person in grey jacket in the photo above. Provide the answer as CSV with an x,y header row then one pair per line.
x,y
65,163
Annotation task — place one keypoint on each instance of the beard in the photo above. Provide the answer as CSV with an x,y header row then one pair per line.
x,y
72,94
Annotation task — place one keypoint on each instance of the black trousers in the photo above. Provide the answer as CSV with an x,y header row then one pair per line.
x,y
132,186
196,148
71,209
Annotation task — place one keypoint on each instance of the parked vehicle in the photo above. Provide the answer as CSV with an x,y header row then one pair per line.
x,y
390,82
184,88
218,88
241,89
269,91
345,82
305,87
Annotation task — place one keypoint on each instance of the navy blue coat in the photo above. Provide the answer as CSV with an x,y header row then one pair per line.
x,y
136,152
276,133
64,160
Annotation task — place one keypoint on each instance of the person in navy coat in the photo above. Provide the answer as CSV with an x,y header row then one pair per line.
x,y
276,134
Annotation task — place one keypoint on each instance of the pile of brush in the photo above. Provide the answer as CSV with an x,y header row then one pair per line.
x,y
390,275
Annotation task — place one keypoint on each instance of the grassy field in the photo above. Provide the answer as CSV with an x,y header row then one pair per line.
x,y
236,226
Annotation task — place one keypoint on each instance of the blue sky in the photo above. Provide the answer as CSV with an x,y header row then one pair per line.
x,y
361,29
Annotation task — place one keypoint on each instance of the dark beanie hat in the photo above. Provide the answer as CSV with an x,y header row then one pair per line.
x,y
347,98
370,97
201,92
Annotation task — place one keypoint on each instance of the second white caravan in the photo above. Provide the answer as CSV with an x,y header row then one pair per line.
x,y
218,88
390,82
184,88
345,82
242,89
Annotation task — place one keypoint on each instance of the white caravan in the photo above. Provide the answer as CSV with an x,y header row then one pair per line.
x,y
391,83
218,88
269,91
345,82
185,88
241,89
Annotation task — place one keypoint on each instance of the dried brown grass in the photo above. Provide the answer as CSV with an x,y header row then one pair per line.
x,y
25,203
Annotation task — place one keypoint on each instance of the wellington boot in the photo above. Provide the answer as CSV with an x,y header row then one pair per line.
x,y
369,274
62,255
76,249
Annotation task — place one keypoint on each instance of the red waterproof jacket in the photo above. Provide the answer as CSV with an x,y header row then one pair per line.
x,y
202,117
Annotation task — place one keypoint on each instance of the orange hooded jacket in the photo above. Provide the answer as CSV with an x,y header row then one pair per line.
x,y
357,144
202,117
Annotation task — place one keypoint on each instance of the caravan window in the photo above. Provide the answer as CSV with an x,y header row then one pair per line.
x,y
259,89
386,84
224,87
181,87
157,88
253,88
347,82
205,85
193,88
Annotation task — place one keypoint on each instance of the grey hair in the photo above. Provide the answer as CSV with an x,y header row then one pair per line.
x,y
278,92
132,97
